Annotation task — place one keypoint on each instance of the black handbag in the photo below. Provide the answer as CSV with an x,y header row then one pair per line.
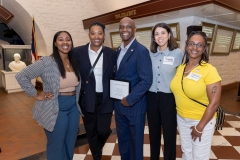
x,y
86,82
220,111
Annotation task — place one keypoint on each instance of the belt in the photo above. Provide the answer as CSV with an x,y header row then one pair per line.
x,y
67,93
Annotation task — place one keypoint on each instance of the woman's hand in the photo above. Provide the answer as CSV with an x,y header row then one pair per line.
x,y
43,96
196,133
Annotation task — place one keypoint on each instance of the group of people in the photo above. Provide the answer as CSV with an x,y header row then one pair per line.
x,y
163,84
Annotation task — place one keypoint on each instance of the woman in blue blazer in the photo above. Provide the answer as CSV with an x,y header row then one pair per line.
x,y
56,109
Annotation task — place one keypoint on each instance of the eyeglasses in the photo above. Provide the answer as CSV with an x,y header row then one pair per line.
x,y
198,45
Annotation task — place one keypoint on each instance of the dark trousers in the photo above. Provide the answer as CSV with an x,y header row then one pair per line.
x,y
61,141
97,127
161,114
130,132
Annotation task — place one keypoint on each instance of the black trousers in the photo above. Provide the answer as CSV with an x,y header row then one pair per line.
x,y
161,114
97,127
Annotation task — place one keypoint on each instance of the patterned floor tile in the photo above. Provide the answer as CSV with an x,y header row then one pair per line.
x,y
225,144
225,152
237,148
212,155
233,140
22,138
220,141
229,132
234,124
108,149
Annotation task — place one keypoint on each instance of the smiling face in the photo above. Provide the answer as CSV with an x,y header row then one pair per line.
x,y
63,43
96,36
161,37
196,47
127,30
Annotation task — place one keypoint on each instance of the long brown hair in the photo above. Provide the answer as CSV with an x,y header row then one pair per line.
x,y
172,44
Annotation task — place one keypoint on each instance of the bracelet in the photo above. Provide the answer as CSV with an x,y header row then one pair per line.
x,y
197,130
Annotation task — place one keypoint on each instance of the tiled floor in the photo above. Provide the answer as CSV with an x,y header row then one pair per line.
x,y
20,135
22,138
225,144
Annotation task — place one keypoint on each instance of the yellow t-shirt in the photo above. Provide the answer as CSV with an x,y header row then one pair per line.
x,y
195,89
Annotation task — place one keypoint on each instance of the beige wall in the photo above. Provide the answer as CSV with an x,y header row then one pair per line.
x,y
228,66
50,17
105,6
54,15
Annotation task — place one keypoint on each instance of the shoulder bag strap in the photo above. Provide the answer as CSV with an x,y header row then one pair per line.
x,y
91,70
185,93
220,111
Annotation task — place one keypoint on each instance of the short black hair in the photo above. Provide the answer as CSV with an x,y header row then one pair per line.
x,y
97,24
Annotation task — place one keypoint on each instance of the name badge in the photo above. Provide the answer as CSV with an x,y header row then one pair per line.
x,y
194,76
168,60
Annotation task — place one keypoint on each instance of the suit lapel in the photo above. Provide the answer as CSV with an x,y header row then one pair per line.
x,y
129,52
85,58
118,52
106,58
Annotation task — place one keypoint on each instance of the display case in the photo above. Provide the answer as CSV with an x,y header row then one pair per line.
x,y
9,81
9,50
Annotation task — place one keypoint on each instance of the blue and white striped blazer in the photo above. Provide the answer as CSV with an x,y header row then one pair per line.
x,y
45,112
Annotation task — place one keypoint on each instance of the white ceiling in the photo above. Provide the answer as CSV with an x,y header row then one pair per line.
x,y
211,11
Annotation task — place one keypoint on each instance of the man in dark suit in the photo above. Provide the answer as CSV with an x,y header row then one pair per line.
x,y
95,103
133,65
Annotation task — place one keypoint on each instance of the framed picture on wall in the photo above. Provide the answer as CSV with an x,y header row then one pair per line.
x,y
222,40
209,30
116,40
209,49
143,36
178,44
176,30
236,41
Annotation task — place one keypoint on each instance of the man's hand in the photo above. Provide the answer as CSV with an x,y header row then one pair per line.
x,y
124,102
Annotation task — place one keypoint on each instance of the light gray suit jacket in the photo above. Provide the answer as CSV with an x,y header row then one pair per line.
x,y
45,112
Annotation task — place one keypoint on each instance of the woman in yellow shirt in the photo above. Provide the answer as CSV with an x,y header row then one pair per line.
x,y
198,80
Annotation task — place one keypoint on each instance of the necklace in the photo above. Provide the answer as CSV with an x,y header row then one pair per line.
x,y
191,69
66,63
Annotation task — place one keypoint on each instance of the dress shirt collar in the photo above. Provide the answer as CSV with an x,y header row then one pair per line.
x,y
90,50
122,45
165,52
